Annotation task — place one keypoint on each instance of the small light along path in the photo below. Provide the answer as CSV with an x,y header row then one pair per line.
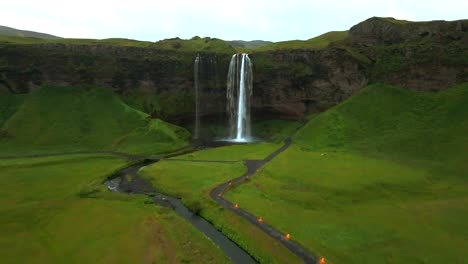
x,y
285,238
120,182
128,180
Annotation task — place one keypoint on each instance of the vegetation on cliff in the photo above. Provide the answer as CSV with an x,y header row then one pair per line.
x,y
305,76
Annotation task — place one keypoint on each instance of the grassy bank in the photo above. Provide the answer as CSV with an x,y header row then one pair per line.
x,y
56,209
193,181
240,152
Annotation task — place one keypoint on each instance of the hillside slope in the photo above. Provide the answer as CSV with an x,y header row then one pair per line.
x,y
380,178
248,44
8,31
394,122
318,42
55,119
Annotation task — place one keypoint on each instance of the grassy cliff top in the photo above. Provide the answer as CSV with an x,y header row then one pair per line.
x,y
319,42
195,44
71,41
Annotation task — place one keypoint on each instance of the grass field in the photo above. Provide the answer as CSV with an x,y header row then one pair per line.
x,y
381,178
62,119
275,130
193,180
56,210
254,151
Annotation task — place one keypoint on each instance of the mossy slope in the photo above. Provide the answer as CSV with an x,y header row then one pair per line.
x,y
66,119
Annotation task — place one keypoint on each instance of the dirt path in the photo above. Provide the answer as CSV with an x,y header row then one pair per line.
x,y
252,166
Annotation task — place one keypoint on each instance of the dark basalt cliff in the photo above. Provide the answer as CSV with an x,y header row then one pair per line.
x,y
287,82
426,56
294,82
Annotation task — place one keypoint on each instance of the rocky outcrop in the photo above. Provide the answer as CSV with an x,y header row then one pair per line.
x,y
316,80
377,30
426,56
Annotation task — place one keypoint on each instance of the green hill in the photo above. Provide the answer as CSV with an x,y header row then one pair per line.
x,y
56,119
248,44
318,42
8,31
397,122
195,44
122,42
380,178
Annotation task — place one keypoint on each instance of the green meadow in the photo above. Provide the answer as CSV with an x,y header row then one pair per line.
x,y
234,152
56,210
379,178
192,181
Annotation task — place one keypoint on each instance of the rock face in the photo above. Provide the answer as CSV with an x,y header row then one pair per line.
x,y
287,83
316,80
377,30
427,56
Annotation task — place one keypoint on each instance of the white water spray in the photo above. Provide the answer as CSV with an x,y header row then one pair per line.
x,y
239,93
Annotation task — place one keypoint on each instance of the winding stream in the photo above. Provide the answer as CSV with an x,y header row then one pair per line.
x,y
129,181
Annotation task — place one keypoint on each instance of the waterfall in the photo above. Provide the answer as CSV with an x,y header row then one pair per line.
x,y
196,73
239,93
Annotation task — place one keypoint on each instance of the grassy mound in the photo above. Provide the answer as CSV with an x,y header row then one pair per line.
x,y
379,178
66,119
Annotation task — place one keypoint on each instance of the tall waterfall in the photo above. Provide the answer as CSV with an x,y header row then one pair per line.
x,y
196,74
239,93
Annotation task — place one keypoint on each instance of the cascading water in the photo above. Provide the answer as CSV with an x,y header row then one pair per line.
x,y
239,93
196,73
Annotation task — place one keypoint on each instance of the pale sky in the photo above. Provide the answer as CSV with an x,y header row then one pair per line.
x,y
274,20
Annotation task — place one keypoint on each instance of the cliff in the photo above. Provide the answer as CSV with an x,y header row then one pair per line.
x,y
289,81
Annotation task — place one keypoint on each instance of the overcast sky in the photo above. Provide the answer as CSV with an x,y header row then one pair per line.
x,y
274,20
